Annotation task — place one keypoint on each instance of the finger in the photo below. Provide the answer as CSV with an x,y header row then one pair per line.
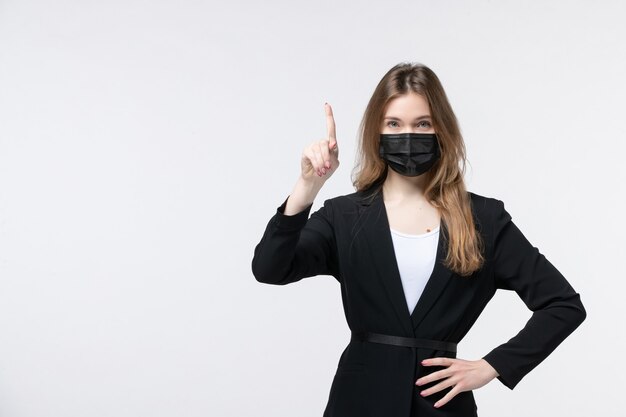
x,y
324,145
450,395
444,373
440,361
319,159
330,125
448,382
310,154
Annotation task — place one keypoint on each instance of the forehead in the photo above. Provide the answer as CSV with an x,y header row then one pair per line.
x,y
407,105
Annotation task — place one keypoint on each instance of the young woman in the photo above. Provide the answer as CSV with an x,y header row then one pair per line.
x,y
417,257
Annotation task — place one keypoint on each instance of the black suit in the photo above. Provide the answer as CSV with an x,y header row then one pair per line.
x,y
349,238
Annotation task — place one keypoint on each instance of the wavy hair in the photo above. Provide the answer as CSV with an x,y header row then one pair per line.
x,y
445,187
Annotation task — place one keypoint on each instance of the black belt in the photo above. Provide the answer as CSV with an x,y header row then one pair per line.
x,y
403,341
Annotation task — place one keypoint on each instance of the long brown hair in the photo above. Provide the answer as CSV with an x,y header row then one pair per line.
x,y
445,187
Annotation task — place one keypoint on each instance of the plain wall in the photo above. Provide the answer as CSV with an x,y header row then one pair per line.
x,y
144,146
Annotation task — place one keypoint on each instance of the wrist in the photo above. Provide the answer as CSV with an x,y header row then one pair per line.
x,y
307,189
490,370
301,197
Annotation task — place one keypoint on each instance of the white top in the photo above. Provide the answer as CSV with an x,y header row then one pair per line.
x,y
416,256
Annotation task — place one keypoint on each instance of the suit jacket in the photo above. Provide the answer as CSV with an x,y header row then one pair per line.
x,y
349,238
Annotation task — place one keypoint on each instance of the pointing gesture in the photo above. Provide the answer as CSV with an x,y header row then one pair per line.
x,y
320,158
330,125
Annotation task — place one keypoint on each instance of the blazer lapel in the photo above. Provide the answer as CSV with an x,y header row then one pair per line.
x,y
439,279
380,242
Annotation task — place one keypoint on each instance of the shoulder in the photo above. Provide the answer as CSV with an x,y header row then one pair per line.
x,y
357,197
480,203
485,206
352,202
490,211
345,206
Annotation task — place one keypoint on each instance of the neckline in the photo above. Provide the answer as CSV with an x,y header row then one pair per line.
x,y
423,235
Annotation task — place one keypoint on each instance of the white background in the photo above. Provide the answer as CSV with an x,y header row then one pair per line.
x,y
144,146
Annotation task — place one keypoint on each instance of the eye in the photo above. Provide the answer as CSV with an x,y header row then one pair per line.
x,y
390,122
424,123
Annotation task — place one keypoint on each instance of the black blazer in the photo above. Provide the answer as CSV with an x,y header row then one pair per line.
x,y
349,238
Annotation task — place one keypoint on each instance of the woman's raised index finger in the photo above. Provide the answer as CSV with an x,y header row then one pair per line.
x,y
330,124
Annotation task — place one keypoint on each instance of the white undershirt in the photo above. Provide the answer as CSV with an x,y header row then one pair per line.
x,y
416,259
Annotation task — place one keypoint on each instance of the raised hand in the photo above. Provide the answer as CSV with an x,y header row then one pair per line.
x,y
320,159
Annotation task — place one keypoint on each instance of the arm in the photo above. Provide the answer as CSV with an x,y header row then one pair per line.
x,y
296,246
557,309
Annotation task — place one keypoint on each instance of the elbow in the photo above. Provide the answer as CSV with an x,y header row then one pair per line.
x,y
259,278
256,271
270,280
569,312
577,312
265,275
264,270
259,274
582,312
266,279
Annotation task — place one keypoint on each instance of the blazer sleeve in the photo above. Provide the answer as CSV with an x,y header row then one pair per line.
x,y
556,306
296,246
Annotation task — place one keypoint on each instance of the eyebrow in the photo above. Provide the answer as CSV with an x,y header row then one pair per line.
x,y
417,118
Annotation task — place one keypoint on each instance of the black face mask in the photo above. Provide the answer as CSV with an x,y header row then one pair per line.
x,y
410,154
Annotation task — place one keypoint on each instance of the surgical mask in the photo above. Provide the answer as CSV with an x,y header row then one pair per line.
x,y
409,154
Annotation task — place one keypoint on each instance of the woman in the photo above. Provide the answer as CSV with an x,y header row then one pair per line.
x,y
417,256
